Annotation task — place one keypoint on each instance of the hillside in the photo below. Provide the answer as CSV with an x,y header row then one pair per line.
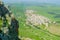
x,y
37,33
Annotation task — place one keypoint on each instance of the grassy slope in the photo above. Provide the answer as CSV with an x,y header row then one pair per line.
x,y
30,31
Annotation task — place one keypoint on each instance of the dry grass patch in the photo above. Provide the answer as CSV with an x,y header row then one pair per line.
x,y
54,29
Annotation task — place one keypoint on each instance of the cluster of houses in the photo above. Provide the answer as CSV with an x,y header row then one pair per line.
x,y
36,19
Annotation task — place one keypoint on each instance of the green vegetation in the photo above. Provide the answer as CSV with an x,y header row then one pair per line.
x,y
31,31
45,11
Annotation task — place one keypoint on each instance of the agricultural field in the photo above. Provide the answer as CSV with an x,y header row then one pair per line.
x,y
38,33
